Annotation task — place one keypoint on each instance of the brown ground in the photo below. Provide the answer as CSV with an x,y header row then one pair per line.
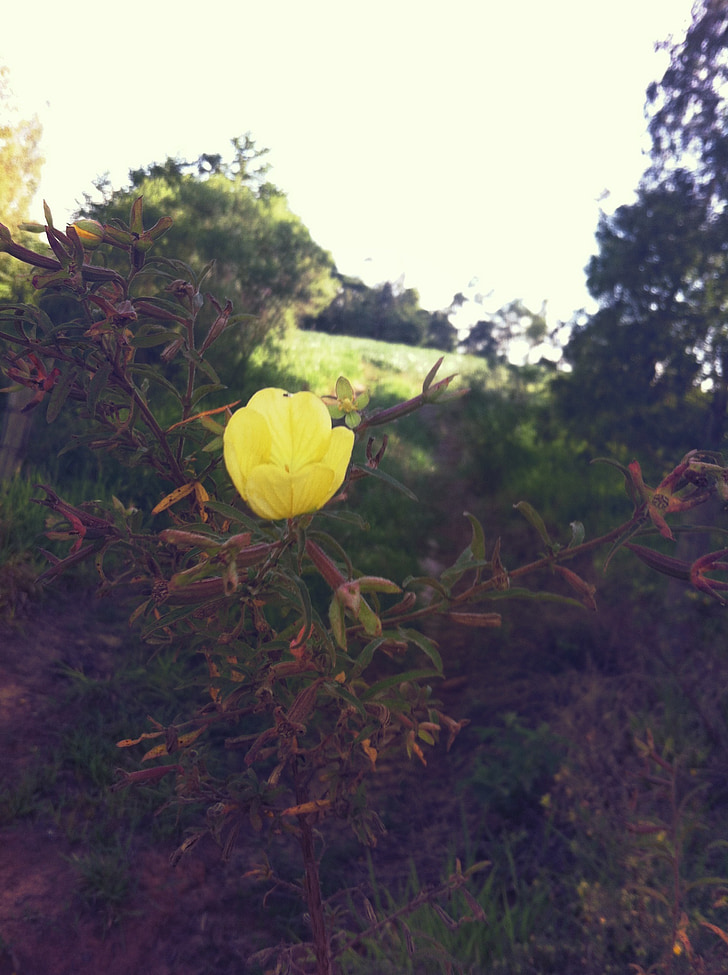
x,y
196,918
184,920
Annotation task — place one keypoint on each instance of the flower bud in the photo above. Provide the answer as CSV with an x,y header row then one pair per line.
x,y
89,232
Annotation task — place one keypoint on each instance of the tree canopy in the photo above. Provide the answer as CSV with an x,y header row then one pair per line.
x,y
651,365
265,259
388,312
495,335
687,107
20,166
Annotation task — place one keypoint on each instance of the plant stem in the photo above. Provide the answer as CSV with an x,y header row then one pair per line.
x,y
312,884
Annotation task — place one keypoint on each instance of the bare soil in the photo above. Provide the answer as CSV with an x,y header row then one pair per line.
x,y
187,920
197,918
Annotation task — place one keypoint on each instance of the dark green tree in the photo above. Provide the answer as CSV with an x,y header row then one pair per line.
x,y
639,362
387,312
266,262
440,332
651,365
493,337
687,108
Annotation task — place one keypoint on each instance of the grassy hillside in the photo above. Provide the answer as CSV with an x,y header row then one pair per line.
x,y
314,360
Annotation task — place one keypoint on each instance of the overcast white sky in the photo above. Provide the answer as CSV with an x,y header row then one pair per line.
x,y
447,141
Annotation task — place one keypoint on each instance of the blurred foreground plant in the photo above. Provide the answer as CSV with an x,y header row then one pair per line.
x,y
310,671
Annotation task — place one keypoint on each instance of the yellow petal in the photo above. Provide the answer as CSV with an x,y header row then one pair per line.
x,y
246,443
338,455
282,454
310,430
300,426
273,493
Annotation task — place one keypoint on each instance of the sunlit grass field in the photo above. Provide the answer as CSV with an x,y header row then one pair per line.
x,y
314,360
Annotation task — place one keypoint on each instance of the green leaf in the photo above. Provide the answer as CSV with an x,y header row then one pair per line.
x,y
427,582
164,304
203,391
620,542
169,619
535,520
538,597
367,654
213,446
152,374
449,577
146,338
345,517
477,543
369,619
204,272
377,584
204,366
232,514
426,645
414,676
305,598
335,688
626,474
59,394
97,385
431,374
393,482
338,624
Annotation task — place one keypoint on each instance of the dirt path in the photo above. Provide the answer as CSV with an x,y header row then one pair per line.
x,y
184,920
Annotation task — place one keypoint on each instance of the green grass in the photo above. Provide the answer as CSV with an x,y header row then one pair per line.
x,y
313,360
21,525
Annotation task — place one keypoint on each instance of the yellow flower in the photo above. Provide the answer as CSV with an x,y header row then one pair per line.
x,y
282,454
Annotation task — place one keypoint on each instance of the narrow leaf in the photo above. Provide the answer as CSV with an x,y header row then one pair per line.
x,y
477,543
232,514
431,374
535,520
336,619
414,676
146,338
97,384
427,646
203,391
378,472
59,395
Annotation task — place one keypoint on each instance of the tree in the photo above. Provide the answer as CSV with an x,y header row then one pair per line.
x,y
638,363
493,337
687,107
20,166
388,312
266,262
654,358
